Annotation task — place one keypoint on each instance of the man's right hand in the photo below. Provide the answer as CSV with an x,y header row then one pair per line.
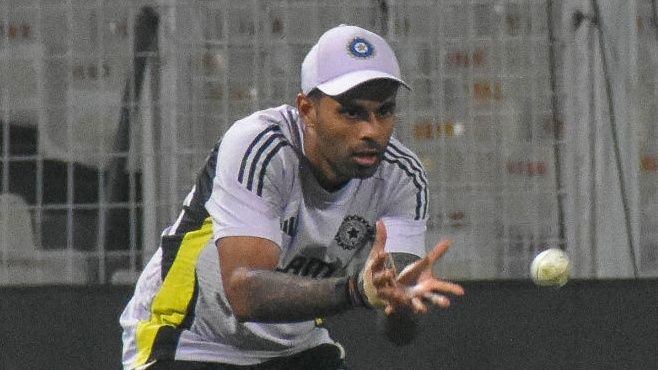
x,y
413,288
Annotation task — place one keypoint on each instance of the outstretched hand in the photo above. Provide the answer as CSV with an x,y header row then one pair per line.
x,y
414,287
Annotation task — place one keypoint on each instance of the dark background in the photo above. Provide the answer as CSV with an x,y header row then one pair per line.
x,y
497,325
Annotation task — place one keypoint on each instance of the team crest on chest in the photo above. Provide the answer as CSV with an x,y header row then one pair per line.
x,y
354,233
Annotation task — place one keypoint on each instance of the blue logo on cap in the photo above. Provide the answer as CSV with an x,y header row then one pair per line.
x,y
361,48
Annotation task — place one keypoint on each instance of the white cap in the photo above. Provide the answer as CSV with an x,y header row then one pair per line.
x,y
346,56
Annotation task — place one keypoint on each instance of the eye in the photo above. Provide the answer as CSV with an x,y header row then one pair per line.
x,y
353,112
386,110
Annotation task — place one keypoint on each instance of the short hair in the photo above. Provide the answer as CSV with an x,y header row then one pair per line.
x,y
315,95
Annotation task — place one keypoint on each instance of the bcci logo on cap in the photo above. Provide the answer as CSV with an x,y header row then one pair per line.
x,y
354,233
361,48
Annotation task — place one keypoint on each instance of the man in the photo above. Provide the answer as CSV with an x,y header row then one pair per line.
x,y
298,214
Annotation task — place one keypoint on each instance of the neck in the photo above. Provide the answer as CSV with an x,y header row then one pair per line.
x,y
321,170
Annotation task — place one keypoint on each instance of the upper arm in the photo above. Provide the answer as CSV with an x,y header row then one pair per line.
x,y
237,256
405,213
248,252
408,191
251,187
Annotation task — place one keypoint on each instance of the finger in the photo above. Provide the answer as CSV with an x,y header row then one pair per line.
x,y
383,278
395,296
437,299
380,239
377,256
377,261
375,264
411,273
390,264
390,309
438,251
436,285
418,305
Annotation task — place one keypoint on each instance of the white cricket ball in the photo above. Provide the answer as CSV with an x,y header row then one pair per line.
x,y
550,268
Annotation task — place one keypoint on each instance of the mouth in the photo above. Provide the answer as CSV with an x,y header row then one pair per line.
x,y
368,158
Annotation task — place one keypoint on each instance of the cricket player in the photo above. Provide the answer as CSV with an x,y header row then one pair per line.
x,y
298,214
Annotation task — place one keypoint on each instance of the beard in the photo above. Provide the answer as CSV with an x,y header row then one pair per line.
x,y
351,168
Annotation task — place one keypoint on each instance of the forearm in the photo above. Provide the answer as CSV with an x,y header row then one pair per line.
x,y
272,296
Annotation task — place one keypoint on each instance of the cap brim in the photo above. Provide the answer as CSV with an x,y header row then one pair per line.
x,y
350,80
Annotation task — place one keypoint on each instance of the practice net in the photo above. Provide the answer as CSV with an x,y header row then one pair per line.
x,y
535,120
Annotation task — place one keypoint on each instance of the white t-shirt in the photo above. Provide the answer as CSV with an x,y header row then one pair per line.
x,y
254,184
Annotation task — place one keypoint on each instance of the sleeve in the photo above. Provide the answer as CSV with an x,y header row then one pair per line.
x,y
405,213
249,189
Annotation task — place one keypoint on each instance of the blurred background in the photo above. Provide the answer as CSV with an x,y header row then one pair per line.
x,y
536,121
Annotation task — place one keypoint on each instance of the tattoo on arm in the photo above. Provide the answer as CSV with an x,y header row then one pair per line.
x,y
273,296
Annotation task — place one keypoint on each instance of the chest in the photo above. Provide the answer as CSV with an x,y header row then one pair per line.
x,y
322,239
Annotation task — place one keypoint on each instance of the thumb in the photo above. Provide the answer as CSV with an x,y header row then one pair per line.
x,y
375,262
438,251
380,239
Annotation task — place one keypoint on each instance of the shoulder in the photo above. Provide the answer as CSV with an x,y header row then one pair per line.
x,y
263,134
275,123
259,146
400,161
405,181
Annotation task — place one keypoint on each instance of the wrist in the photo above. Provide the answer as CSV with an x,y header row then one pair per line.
x,y
347,289
355,291
360,286
367,289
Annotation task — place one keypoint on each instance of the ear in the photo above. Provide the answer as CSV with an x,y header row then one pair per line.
x,y
307,109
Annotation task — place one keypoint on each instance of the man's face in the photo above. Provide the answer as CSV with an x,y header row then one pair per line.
x,y
346,135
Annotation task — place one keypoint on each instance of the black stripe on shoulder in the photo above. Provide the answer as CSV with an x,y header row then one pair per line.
x,y
263,168
264,149
293,124
421,195
409,158
251,146
415,164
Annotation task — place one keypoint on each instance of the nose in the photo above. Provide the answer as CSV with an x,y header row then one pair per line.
x,y
373,127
